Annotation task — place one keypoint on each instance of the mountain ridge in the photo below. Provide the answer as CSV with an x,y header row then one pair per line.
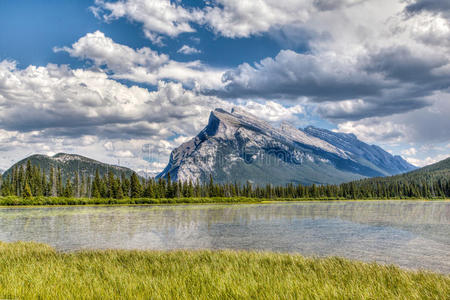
x,y
237,146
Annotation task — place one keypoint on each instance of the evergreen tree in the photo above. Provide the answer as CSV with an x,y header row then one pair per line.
x,y
26,193
136,188
68,190
96,185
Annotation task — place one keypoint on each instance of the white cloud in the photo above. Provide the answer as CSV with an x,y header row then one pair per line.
x,y
428,28
374,130
362,62
290,74
157,16
229,18
188,50
369,68
141,65
58,109
427,160
235,18
55,109
410,152
423,126
272,111
109,146
126,153
343,108
102,50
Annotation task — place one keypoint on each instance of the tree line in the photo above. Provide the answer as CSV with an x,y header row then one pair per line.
x,y
30,181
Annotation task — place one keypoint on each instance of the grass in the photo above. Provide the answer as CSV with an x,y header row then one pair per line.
x,y
37,271
18,201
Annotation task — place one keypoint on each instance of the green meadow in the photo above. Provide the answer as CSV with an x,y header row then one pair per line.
x,y
37,271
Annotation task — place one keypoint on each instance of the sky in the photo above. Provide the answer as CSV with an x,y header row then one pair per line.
x,y
127,81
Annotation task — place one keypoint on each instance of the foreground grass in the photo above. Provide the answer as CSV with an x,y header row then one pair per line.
x,y
18,201
36,271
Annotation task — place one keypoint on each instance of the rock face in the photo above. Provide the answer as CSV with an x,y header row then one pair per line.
x,y
238,147
69,164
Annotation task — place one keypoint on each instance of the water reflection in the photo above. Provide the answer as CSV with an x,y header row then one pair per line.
x,y
410,234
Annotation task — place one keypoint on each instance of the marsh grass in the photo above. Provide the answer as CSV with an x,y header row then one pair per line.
x,y
37,271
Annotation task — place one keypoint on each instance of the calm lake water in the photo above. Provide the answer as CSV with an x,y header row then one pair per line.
x,y
408,233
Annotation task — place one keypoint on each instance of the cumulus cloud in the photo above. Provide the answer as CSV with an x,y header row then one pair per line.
x,y
367,64
426,68
157,16
67,109
292,74
435,6
362,63
428,28
272,111
410,151
55,109
376,68
325,5
422,162
234,18
228,18
428,125
57,97
188,50
141,65
102,50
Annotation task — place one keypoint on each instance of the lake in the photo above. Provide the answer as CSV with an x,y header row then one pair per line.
x,y
411,234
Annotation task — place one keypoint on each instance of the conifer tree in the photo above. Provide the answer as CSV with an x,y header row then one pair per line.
x,y
68,190
26,193
136,188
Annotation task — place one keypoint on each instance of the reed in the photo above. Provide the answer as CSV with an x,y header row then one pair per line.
x,y
37,271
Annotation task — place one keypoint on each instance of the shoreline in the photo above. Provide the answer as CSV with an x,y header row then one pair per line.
x,y
61,202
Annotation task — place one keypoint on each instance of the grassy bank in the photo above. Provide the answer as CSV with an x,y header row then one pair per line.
x,y
29,270
18,201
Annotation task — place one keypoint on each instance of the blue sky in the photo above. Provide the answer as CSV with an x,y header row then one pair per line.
x,y
107,79
33,28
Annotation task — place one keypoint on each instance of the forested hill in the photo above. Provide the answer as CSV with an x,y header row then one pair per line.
x,y
429,181
70,165
439,170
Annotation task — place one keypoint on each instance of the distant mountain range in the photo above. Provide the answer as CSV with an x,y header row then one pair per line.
x,y
69,165
239,147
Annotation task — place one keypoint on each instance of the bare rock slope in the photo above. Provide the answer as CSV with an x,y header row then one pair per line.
x,y
239,147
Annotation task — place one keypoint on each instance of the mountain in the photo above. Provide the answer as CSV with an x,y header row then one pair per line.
x,y
384,161
238,147
428,182
69,164
441,167
429,174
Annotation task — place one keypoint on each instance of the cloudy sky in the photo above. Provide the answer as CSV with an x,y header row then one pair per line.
x,y
117,80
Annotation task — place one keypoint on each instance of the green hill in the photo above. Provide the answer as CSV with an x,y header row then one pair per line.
x,y
439,170
430,181
69,165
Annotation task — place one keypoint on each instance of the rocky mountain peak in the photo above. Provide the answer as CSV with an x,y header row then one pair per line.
x,y
238,146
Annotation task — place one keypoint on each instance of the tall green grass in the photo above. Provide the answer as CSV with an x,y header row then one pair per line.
x,y
18,201
36,271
